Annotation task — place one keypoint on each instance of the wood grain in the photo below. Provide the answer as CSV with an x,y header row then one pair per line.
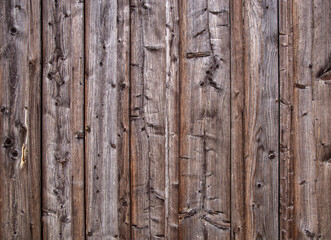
x,y
20,57
174,119
154,114
286,164
107,120
204,202
321,82
311,111
238,185
261,119
63,120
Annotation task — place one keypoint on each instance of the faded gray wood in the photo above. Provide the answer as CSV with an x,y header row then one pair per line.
x,y
172,120
20,120
204,202
261,119
311,114
304,147
321,93
107,120
286,164
63,120
238,208
154,119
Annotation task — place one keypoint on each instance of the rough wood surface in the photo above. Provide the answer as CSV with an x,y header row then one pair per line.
x,y
107,120
20,57
174,119
238,208
154,119
286,164
63,120
311,113
261,119
204,202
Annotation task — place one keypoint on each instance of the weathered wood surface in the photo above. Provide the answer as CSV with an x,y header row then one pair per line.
x,y
107,120
204,202
261,122
63,120
238,172
286,164
175,119
154,119
20,159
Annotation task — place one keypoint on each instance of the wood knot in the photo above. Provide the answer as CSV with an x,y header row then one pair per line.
x,y
8,142
14,154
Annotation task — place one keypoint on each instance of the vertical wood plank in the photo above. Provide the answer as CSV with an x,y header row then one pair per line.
x,y
172,120
261,119
311,112
63,120
20,59
304,147
205,120
238,207
286,163
321,80
154,119
107,120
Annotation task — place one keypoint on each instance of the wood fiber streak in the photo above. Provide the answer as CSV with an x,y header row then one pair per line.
x,y
20,58
204,202
286,163
62,120
107,119
261,117
153,116
311,112
238,208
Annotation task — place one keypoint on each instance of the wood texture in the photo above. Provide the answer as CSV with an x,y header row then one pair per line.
x,y
238,172
286,163
107,120
63,120
174,119
311,113
154,113
204,203
20,57
261,119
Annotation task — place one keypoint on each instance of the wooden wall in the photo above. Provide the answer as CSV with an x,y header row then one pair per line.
x,y
172,119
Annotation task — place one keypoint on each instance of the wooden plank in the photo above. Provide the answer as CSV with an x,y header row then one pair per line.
x,y
154,119
321,79
286,163
63,120
107,120
261,118
311,111
20,58
304,147
238,230
172,120
204,202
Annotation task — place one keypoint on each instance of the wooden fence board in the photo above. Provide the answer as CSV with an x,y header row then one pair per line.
x,y
107,120
154,113
204,120
261,119
174,119
286,164
238,208
63,119
20,57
